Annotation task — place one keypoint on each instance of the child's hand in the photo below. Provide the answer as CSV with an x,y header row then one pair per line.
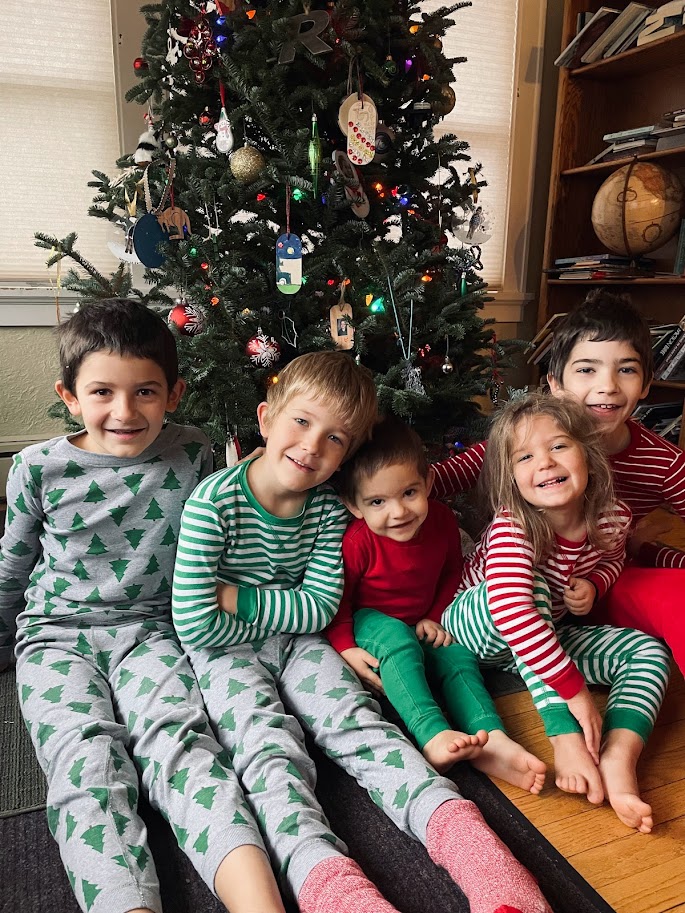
x,y
579,595
365,666
433,633
227,597
648,529
583,709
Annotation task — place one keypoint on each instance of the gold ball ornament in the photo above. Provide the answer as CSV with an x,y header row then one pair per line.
x,y
446,102
246,164
637,209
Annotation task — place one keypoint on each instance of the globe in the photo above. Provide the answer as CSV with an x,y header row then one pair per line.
x,y
637,209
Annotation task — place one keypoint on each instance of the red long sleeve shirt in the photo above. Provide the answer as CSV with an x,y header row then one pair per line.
x,y
406,580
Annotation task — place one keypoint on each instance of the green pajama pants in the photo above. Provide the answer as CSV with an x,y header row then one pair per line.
x,y
408,664
89,696
634,665
261,696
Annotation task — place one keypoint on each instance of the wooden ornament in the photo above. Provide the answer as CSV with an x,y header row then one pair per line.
x,y
175,222
288,264
346,104
342,331
361,133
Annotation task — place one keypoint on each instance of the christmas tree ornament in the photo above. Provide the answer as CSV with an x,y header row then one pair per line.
x,y
346,105
413,381
148,144
224,134
175,222
148,234
419,112
188,319
262,350
246,164
288,255
288,329
200,49
447,366
314,153
361,133
233,449
140,63
170,141
474,227
354,191
288,264
306,28
446,101
384,142
390,66
342,331
204,119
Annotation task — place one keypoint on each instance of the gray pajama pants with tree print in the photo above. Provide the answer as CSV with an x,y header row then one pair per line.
x,y
255,694
89,696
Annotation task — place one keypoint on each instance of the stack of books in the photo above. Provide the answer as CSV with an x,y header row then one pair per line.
x,y
664,21
602,266
663,418
669,353
670,134
626,143
620,35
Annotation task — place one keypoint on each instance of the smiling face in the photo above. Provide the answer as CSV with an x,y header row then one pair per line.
x,y
393,501
305,444
122,401
608,379
549,467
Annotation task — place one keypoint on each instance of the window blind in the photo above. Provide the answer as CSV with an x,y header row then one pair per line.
x,y
485,34
57,124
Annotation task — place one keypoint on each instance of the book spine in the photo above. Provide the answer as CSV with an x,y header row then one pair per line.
x,y
679,263
664,346
673,359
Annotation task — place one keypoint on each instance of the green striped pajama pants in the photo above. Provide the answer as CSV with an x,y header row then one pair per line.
x,y
634,665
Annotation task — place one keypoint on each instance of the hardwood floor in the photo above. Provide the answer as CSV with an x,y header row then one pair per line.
x,y
634,873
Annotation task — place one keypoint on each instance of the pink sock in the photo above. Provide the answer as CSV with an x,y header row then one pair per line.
x,y
338,885
459,840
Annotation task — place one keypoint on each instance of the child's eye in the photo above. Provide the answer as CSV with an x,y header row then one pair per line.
x,y
410,492
523,458
301,421
376,502
627,369
145,391
559,447
585,370
335,439
103,391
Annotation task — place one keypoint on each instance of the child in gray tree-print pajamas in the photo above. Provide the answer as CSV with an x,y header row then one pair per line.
x,y
268,532
92,524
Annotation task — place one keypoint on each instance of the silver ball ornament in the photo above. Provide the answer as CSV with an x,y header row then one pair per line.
x,y
447,366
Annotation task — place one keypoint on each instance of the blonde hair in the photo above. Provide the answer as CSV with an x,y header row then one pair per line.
x,y
500,487
335,379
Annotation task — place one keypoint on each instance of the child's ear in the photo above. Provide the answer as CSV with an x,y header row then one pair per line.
x,y
68,398
175,394
262,418
430,479
353,509
555,387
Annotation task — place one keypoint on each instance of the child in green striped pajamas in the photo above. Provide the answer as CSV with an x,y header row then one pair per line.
x,y
556,544
258,574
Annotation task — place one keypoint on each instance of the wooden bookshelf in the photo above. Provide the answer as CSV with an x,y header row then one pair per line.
x,y
627,90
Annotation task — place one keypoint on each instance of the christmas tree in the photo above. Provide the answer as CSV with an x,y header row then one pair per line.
x,y
290,195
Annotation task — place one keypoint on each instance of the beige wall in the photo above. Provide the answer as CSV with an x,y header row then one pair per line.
x,y
28,371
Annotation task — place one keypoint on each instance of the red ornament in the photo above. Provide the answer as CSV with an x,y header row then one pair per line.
x,y
188,319
140,63
263,350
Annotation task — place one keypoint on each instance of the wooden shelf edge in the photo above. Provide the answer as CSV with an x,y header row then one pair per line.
x,y
619,163
669,384
659,54
657,280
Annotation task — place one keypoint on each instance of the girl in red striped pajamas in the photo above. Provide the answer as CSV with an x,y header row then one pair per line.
x,y
556,544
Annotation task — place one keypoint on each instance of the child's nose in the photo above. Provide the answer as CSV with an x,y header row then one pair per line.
x,y
124,408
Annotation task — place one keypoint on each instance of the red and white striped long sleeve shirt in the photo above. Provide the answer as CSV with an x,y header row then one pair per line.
x,y
648,473
504,559
458,473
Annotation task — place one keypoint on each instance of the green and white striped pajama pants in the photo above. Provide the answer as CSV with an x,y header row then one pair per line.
x,y
635,666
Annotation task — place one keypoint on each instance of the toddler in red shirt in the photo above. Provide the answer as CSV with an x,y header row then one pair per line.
x,y
403,564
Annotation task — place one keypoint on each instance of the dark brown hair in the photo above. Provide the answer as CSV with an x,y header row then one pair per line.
x,y
392,442
604,316
118,325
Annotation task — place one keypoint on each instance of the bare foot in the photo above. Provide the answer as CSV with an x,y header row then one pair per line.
x,y
575,770
448,747
505,759
619,777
